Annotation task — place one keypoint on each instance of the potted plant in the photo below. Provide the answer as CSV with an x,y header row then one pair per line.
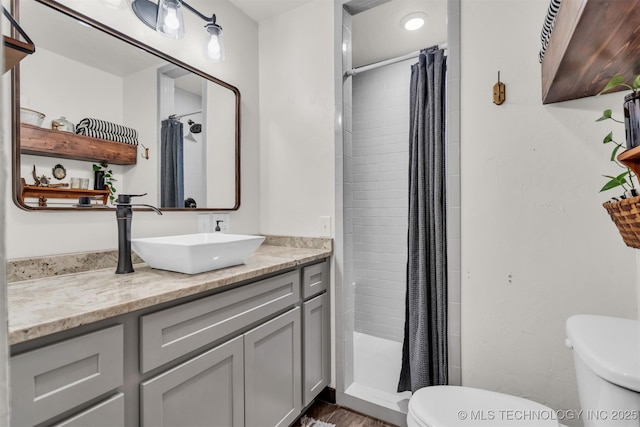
x,y
625,213
103,178
631,109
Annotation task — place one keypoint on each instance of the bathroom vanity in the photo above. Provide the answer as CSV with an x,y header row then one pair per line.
x,y
242,346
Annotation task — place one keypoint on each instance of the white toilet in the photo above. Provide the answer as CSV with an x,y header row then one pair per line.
x,y
607,362
606,356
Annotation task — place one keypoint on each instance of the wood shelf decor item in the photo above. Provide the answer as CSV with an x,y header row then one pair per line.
x,y
14,49
44,193
52,143
631,159
592,40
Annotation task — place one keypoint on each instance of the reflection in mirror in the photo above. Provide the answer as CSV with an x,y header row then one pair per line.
x,y
80,72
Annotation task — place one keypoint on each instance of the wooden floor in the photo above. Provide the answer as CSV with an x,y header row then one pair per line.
x,y
341,417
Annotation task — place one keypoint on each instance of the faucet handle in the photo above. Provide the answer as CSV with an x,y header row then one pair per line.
x,y
125,199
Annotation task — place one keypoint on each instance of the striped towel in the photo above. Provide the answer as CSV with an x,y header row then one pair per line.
x,y
107,130
547,28
107,135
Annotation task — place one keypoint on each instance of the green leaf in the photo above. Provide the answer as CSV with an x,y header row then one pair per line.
x,y
606,114
614,152
617,80
608,138
613,183
636,82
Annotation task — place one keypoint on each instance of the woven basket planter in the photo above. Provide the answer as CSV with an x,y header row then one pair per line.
x,y
626,215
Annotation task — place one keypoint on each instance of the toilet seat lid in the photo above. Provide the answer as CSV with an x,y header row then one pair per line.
x,y
609,346
453,406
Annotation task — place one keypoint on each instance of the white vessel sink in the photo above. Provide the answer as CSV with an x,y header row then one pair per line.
x,y
196,253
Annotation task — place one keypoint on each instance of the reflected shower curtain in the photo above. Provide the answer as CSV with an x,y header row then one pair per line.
x,y
171,165
424,351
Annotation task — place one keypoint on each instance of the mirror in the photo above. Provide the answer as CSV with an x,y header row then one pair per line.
x,y
119,94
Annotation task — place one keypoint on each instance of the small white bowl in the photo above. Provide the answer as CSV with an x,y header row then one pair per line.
x,y
31,117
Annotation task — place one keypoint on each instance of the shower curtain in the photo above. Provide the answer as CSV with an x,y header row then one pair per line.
x,y
424,350
171,165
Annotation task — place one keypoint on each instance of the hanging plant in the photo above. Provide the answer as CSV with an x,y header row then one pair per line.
x,y
107,175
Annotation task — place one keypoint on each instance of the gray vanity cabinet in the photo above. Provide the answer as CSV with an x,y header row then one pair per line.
x,y
52,380
316,336
109,413
207,390
273,371
251,355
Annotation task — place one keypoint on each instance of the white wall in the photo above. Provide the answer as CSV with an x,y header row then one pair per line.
x,y
44,233
380,162
297,120
537,246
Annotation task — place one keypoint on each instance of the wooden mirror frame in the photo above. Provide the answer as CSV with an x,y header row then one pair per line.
x,y
15,113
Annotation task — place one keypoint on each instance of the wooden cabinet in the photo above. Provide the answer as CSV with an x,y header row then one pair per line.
x,y
273,372
207,390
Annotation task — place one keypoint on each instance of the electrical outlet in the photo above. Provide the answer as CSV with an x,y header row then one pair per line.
x,y
204,223
325,226
225,225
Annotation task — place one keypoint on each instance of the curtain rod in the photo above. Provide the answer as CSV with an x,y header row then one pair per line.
x,y
354,71
178,116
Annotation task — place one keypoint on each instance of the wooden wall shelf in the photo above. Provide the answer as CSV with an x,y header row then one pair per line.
x,y
44,193
631,159
52,143
592,41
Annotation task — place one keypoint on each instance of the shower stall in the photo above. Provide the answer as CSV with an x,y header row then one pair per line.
x,y
372,220
378,208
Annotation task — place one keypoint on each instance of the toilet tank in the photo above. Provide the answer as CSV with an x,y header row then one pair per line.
x,y
606,353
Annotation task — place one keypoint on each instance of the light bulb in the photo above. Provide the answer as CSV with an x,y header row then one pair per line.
x,y
414,24
214,46
171,21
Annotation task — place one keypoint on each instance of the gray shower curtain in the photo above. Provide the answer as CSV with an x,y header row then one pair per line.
x,y
424,351
171,165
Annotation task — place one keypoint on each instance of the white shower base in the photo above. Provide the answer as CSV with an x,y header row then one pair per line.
x,y
376,371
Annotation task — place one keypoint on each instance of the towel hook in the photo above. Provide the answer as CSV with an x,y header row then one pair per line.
x,y
146,152
499,92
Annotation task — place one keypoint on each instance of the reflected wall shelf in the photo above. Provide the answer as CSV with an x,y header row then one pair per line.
x,y
53,143
14,51
44,193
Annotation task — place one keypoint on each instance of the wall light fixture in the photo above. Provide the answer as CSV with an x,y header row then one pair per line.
x,y
166,17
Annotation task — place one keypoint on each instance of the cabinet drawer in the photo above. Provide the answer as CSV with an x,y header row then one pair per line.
x,y
176,331
315,279
53,379
109,413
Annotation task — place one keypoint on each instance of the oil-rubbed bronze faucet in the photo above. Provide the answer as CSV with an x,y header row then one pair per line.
x,y
124,212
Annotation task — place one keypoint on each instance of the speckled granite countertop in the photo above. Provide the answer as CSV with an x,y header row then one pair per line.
x,y
46,305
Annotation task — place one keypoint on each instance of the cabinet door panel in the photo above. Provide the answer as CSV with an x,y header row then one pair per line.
x,y
273,372
109,413
53,379
207,390
173,332
315,279
317,348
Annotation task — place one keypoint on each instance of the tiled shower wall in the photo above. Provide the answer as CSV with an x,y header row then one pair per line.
x,y
380,159
344,231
